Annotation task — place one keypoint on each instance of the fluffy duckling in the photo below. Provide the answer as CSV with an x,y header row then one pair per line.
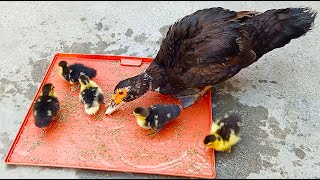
x,y
46,106
156,117
90,95
71,73
224,133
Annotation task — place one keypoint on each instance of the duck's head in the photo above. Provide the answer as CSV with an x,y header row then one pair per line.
x,y
48,90
128,90
211,141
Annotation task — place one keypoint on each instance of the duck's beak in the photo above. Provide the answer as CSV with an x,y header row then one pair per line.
x,y
113,107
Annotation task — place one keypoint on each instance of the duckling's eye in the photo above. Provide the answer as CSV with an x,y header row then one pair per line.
x,y
120,92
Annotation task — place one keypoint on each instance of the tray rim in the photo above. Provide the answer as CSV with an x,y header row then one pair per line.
x,y
107,57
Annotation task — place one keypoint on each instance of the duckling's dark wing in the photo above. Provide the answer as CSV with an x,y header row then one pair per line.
x,y
229,123
76,70
204,48
42,106
101,98
89,95
161,114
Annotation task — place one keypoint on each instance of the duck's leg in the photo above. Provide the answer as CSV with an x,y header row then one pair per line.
x,y
189,100
229,150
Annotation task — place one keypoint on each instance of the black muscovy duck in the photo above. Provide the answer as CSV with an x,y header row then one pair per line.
x,y
209,47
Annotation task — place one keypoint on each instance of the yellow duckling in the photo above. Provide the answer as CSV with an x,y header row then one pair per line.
x,y
224,133
46,106
90,95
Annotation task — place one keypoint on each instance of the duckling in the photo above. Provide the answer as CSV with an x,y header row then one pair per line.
x,y
90,95
46,106
155,117
71,73
224,133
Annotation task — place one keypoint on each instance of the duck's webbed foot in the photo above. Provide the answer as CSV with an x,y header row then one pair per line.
x,y
189,100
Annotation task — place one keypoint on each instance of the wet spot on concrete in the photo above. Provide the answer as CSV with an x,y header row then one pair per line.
x,y
101,45
266,81
10,167
267,164
113,35
299,153
4,144
6,91
283,173
120,51
159,41
99,26
230,87
254,86
247,153
269,151
262,81
31,91
276,130
39,69
83,19
163,30
305,148
134,54
43,23
31,47
45,54
106,28
12,91
140,38
297,163
76,47
18,71
129,32
287,130
2,88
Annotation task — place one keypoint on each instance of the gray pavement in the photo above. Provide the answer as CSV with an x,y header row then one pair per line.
x,y
277,97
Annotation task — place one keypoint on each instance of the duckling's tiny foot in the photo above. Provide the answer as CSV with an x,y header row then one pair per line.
x,y
229,150
153,134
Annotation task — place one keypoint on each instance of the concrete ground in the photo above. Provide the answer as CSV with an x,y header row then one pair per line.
x,y
277,97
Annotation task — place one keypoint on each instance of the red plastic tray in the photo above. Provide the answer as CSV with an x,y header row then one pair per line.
x,y
115,142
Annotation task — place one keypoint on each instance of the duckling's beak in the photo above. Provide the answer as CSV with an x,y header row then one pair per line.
x,y
113,107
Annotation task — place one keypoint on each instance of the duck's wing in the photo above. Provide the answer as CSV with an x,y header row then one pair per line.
x,y
205,47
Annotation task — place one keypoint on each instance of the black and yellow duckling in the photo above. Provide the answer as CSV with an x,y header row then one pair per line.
x,y
46,106
90,95
210,46
224,133
71,73
156,117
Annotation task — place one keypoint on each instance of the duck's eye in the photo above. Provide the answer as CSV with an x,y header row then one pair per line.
x,y
120,92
